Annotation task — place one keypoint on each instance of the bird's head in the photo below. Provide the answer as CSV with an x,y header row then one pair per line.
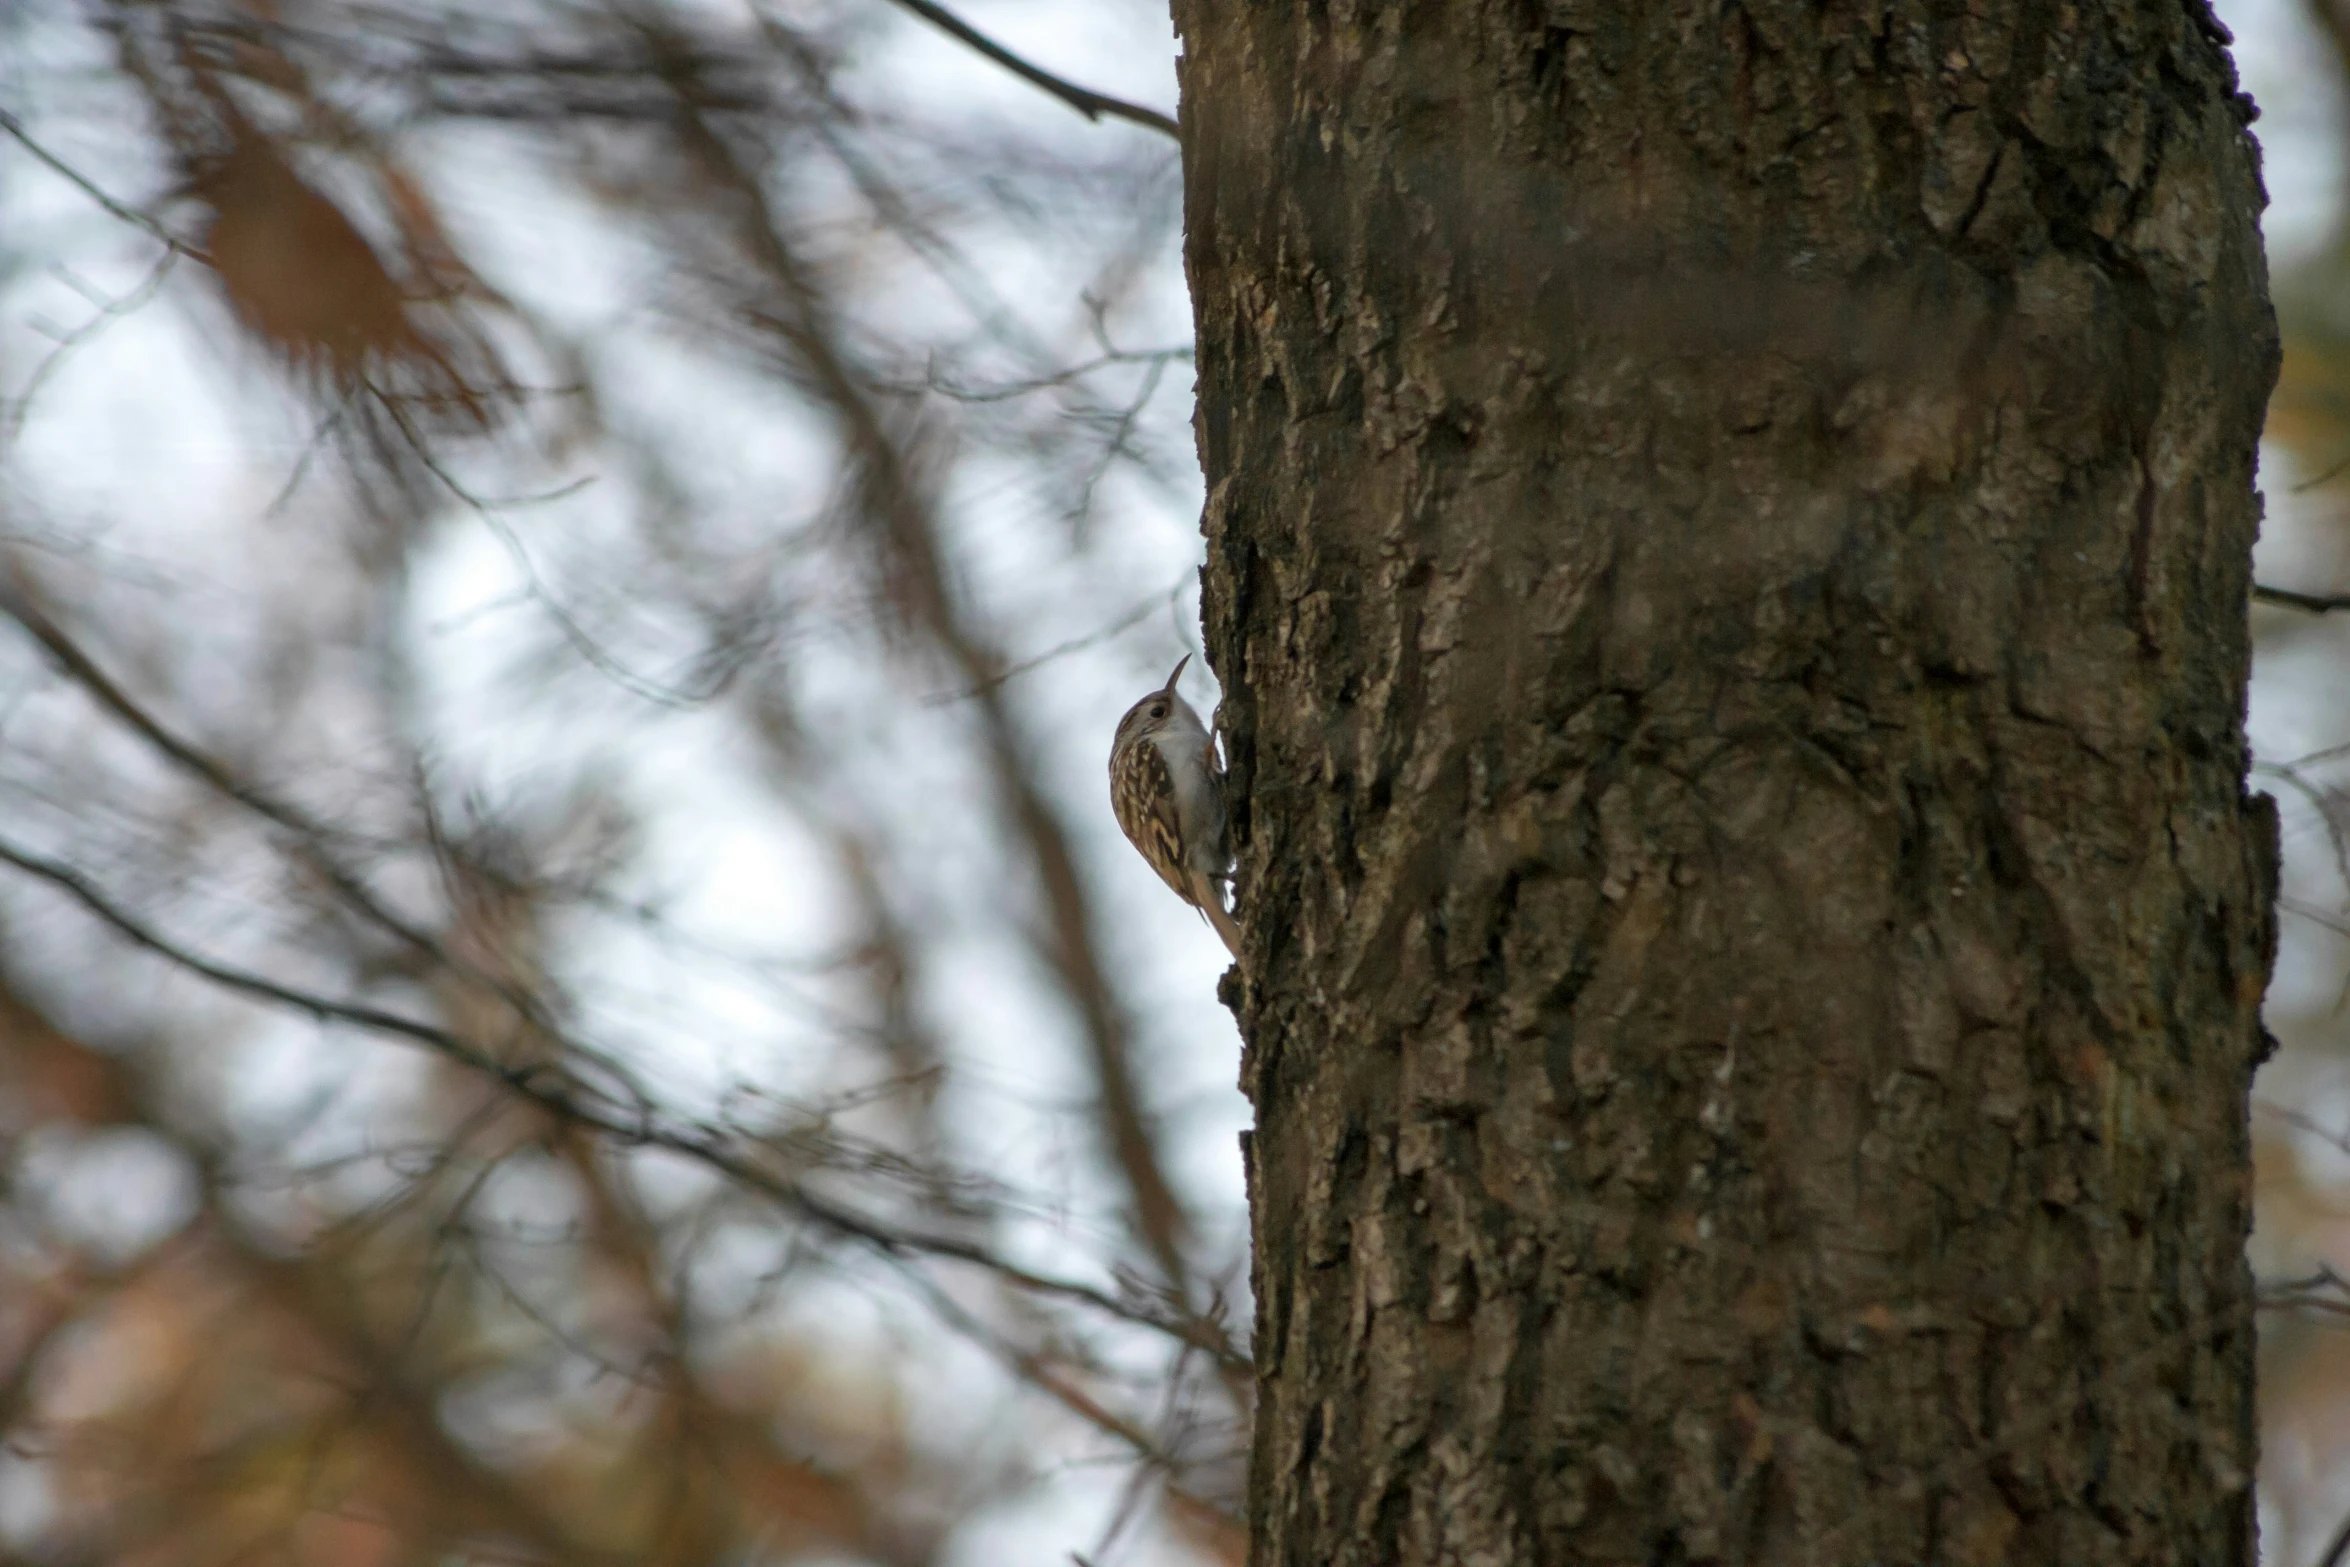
x,y
1162,709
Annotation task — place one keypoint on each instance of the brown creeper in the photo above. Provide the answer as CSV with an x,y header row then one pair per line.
x,y
1169,796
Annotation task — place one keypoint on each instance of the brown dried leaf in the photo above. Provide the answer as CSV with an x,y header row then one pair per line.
x,y
296,271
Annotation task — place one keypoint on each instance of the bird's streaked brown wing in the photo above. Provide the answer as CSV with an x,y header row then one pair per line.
x,y
1142,792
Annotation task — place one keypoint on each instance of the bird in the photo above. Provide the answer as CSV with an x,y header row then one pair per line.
x,y
1168,792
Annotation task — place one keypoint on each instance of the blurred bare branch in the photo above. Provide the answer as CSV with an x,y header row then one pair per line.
x,y
2314,603
644,404
798,316
121,209
1092,105
551,1087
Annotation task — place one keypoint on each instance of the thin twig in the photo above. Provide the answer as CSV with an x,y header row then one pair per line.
x,y
660,693
905,527
2323,1291
17,601
1119,433
2337,1546
2321,801
109,311
553,1090
2325,478
1157,358
2314,603
121,209
1085,101
2324,918
2305,1123
1132,618
1032,1367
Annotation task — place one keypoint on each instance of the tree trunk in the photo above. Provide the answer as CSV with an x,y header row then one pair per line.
x,y
1729,532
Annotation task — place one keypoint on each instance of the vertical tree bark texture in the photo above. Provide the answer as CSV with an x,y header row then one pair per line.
x,y
1729,530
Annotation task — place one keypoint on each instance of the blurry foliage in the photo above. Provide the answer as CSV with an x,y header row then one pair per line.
x,y
655,438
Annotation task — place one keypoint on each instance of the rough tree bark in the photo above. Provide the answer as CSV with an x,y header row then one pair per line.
x,y
1729,530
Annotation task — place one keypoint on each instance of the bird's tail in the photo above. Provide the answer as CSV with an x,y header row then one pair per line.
x,y
1209,899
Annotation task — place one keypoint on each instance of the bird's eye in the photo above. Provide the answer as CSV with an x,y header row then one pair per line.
x,y
1158,710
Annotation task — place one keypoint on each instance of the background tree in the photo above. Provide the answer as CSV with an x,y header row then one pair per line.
x,y
1730,531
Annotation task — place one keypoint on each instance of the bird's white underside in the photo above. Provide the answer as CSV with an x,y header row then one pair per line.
x,y
1190,762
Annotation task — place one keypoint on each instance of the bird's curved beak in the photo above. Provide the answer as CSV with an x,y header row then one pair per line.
x,y
1169,687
